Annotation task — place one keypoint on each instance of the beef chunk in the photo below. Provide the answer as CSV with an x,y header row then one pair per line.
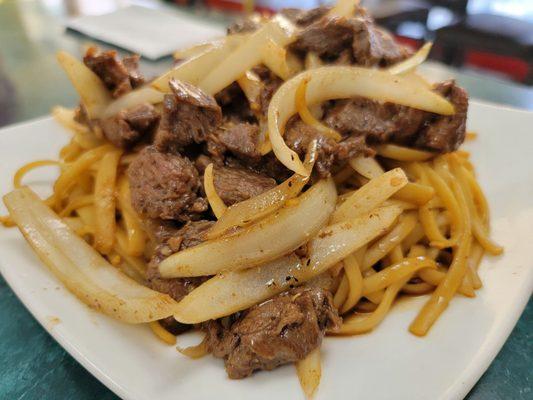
x,y
245,25
369,44
271,83
119,76
165,186
129,126
375,46
299,135
189,115
327,37
303,18
376,121
236,184
281,330
172,241
189,235
241,139
446,133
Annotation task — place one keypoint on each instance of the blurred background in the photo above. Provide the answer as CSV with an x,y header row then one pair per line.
x,y
486,45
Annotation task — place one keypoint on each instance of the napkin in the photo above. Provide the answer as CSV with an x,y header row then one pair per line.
x,y
152,33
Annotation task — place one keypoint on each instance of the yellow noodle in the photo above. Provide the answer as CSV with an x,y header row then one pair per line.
x,y
22,171
164,335
104,201
380,249
355,281
216,203
132,222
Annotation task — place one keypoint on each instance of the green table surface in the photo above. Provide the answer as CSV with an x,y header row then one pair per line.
x,y
33,365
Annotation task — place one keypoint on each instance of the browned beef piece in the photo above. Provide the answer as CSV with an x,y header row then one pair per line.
x,y
235,184
189,115
165,186
171,241
119,76
239,138
129,126
375,46
327,37
279,331
370,45
299,135
304,17
446,133
376,121
271,83
191,234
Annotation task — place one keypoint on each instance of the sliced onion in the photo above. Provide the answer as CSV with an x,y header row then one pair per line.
x,y
366,166
146,94
196,50
233,291
272,237
247,55
94,95
309,372
80,268
251,210
196,68
371,195
338,82
279,61
412,62
252,86
216,203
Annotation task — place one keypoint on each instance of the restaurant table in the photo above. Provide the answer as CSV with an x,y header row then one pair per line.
x,y
33,365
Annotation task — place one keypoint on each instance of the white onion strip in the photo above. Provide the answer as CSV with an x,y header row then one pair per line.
x,y
251,210
233,291
272,237
92,91
371,195
80,268
146,94
412,62
247,55
339,82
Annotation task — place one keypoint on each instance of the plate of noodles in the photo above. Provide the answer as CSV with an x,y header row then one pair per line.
x,y
291,211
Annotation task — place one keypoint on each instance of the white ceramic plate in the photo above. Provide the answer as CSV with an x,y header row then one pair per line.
x,y
388,363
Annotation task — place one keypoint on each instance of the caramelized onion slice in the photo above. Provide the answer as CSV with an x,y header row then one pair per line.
x,y
92,91
251,210
371,195
195,69
247,55
80,268
412,62
272,237
339,82
145,94
232,291
309,372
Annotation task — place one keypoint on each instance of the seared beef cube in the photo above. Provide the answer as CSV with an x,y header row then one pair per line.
x,y
281,330
129,126
171,241
245,25
165,186
374,120
120,77
236,184
375,46
191,234
299,135
327,37
189,115
446,133
370,45
239,138
304,17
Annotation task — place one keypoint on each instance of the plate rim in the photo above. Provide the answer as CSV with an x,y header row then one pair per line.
x,y
458,389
